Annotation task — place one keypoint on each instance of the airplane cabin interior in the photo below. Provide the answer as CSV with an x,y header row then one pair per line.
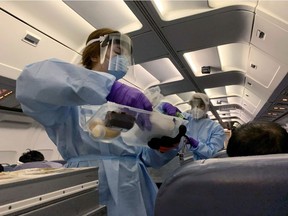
x,y
236,52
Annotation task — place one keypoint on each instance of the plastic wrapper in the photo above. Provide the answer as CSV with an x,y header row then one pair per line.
x,y
110,121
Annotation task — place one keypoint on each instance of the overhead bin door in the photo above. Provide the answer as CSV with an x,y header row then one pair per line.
x,y
21,45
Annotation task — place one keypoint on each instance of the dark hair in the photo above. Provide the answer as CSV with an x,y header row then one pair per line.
x,y
258,138
93,50
1,168
31,156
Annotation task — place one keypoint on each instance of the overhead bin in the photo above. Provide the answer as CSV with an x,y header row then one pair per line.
x,y
270,33
22,44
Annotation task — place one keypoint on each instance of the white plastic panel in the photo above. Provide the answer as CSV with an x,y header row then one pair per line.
x,y
252,98
274,9
229,57
9,71
234,100
163,70
19,137
205,57
9,157
18,53
101,14
232,90
43,144
140,78
54,18
225,3
270,38
216,92
234,56
262,67
153,73
248,106
171,10
245,116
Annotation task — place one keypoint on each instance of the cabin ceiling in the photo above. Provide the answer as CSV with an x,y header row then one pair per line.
x,y
243,45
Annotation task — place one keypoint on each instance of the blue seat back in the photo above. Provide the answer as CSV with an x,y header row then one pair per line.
x,y
238,186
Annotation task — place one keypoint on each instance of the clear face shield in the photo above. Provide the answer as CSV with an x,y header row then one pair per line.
x,y
116,51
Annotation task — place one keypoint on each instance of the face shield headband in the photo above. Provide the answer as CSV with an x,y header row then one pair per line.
x,y
116,50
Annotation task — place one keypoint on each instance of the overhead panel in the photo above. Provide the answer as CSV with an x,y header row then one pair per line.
x,y
224,91
193,33
16,54
103,14
233,56
252,98
225,3
163,70
263,68
140,78
173,10
53,18
229,57
270,37
148,47
200,59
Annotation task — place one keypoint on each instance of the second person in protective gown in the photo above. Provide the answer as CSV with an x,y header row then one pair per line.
x,y
205,137
52,92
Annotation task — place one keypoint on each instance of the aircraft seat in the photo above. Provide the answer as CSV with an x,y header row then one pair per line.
x,y
254,185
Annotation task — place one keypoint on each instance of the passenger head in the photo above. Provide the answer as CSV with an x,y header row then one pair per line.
x,y
199,103
108,50
258,138
31,156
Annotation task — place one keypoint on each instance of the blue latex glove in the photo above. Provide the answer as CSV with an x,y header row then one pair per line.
x,y
169,109
194,143
129,96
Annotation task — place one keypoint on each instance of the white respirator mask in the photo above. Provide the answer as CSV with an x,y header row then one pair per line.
x,y
197,113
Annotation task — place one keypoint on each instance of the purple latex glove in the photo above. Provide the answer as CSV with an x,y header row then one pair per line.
x,y
143,121
169,109
194,143
129,96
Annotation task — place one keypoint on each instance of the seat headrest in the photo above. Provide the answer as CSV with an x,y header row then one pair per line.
x,y
254,185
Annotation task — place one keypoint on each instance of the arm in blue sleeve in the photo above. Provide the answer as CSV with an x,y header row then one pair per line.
x,y
213,144
156,159
47,89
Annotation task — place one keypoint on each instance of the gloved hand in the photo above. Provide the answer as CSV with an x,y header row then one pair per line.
x,y
143,121
169,109
129,96
194,143
166,143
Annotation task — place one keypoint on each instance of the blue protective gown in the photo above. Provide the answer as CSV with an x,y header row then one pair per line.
x,y
51,92
209,134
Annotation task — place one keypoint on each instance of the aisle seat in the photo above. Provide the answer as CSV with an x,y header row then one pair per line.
x,y
254,185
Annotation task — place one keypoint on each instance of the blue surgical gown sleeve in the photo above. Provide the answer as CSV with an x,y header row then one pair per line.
x,y
53,85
